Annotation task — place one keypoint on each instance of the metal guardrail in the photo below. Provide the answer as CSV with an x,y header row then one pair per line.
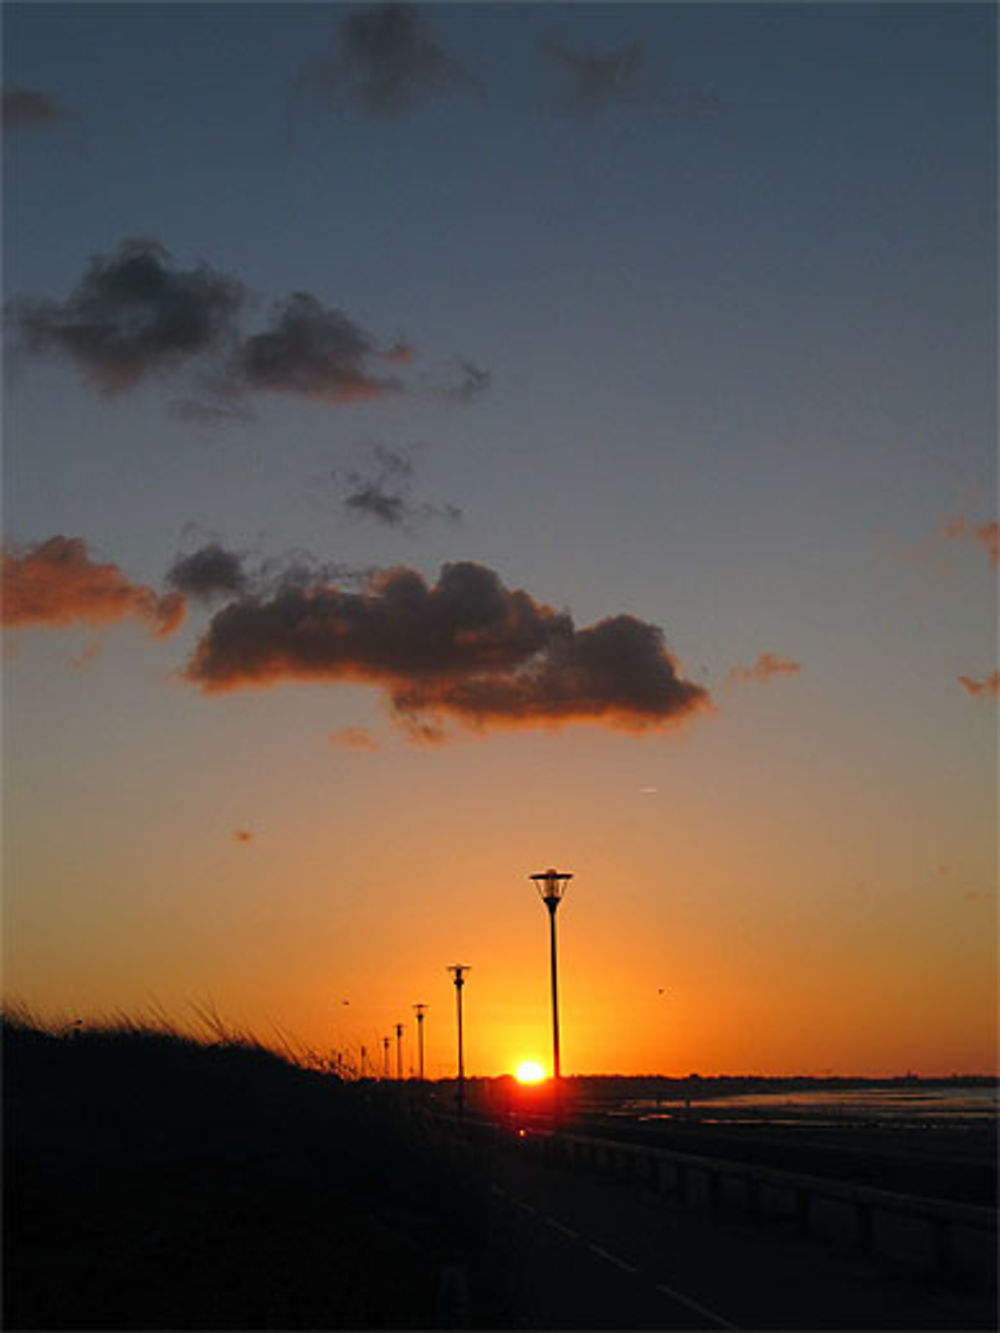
x,y
772,1192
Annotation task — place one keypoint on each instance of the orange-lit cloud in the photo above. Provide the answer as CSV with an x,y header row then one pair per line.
x,y
353,738
466,649
987,688
987,535
55,583
766,666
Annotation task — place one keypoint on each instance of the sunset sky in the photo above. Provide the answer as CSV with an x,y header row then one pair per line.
x,y
444,442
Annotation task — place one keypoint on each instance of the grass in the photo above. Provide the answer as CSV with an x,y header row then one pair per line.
x,y
155,1179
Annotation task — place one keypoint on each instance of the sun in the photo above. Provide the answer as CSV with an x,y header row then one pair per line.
x,y
529,1072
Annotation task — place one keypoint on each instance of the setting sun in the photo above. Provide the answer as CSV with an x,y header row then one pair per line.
x,y
529,1072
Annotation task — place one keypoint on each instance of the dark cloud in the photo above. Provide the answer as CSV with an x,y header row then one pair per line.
x,y
466,649
384,495
242,835
591,80
315,351
208,573
134,314
27,108
55,583
389,60
212,572
988,688
766,666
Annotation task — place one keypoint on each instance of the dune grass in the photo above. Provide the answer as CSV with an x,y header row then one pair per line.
x,y
159,1179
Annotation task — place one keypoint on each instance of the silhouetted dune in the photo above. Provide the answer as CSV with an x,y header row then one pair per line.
x,y
156,1182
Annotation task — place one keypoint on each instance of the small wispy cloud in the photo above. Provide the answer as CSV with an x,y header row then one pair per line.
x,y
389,60
590,81
986,535
987,688
208,573
765,668
30,108
353,738
384,494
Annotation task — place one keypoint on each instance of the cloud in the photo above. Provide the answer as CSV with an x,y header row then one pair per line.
x,y
315,351
27,108
208,573
591,80
466,649
986,535
988,688
462,382
766,666
389,61
353,738
384,496
134,314
55,583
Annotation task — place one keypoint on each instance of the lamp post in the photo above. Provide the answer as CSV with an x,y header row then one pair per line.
x,y
399,1052
551,886
419,1011
385,1052
459,969
364,1056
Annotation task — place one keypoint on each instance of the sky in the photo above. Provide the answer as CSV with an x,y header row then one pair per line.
x,y
447,442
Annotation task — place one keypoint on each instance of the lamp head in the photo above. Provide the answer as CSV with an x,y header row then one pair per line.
x,y
551,886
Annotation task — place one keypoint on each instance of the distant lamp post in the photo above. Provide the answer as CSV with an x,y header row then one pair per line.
x,y
399,1052
459,970
364,1056
385,1052
418,1009
551,886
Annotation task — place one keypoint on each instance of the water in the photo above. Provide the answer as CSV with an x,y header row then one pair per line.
x,y
902,1106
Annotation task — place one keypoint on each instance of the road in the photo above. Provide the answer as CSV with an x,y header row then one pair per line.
x,y
571,1251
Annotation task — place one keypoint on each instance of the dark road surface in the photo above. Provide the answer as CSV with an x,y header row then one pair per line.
x,y
571,1251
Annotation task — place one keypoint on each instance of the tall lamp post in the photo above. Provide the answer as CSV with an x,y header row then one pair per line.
x,y
385,1052
551,886
419,1011
399,1052
459,970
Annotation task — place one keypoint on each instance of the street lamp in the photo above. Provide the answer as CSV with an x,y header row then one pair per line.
x,y
459,969
385,1052
419,1010
551,886
399,1052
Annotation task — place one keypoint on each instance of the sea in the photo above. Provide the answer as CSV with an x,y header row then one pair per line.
x,y
904,1106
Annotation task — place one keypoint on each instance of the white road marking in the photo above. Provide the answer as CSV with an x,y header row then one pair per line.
x,y
558,1226
716,1319
612,1258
